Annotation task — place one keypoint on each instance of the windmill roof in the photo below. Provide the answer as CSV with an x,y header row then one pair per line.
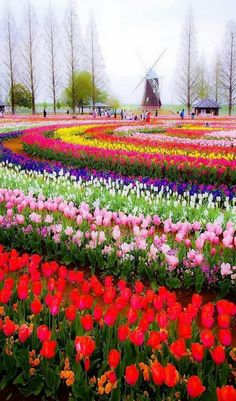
x,y
151,75
2,103
207,104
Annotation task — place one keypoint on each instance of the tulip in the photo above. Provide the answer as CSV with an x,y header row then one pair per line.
x,y
195,387
43,333
197,351
226,393
87,322
225,337
9,327
207,338
178,348
48,349
158,373
36,306
113,358
218,355
71,312
131,375
123,333
24,333
171,375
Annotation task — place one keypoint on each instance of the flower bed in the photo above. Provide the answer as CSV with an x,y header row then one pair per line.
x,y
54,322
174,254
132,157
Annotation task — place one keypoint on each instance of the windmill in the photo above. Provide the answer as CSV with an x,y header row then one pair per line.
x,y
151,96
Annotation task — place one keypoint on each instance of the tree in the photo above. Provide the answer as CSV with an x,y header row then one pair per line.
x,y
29,54
188,77
94,60
203,82
51,34
73,46
83,96
228,72
22,96
113,103
11,54
216,87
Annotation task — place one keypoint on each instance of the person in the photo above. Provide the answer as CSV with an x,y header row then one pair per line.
x,y
148,118
182,114
44,113
68,112
115,113
122,114
193,115
94,113
156,112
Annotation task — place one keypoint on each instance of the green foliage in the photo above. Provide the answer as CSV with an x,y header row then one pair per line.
x,y
83,90
22,96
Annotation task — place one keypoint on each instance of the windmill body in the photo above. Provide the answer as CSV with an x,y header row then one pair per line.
x,y
151,96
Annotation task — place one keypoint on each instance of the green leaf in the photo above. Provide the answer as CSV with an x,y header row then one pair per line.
x,y
34,386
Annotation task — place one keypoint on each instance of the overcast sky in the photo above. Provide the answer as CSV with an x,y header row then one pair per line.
x,y
149,26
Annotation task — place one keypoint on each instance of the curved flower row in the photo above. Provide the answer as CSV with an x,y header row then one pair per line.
x,y
131,162
177,254
57,326
164,185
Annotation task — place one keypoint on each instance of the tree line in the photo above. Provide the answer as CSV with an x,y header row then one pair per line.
x,y
195,81
54,58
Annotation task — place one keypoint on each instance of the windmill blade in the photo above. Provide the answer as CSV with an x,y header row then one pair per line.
x,y
138,84
158,58
141,60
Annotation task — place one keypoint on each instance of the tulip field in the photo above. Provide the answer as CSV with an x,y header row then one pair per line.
x,y
118,259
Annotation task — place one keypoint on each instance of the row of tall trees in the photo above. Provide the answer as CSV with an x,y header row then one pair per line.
x,y
195,81
55,59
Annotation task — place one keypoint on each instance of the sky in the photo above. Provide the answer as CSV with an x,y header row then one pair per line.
x,y
147,26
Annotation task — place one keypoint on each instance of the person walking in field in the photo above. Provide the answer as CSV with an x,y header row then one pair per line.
x,y
182,114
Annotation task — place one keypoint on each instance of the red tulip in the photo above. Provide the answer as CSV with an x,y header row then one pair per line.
x,y
223,321
207,338
162,319
109,295
112,377
36,306
138,286
158,373
197,300
48,349
225,337
5,295
171,375
137,337
154,340
97,313
226,393
218,355
123,332
197,351
195,387
71,312
37,288
24,333
113,358
178,348
132,316
184,330
9,327
43,333
111,315
226,307
131,375
84,346
87,322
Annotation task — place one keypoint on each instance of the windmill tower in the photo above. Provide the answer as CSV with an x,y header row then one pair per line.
x,y
151,95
